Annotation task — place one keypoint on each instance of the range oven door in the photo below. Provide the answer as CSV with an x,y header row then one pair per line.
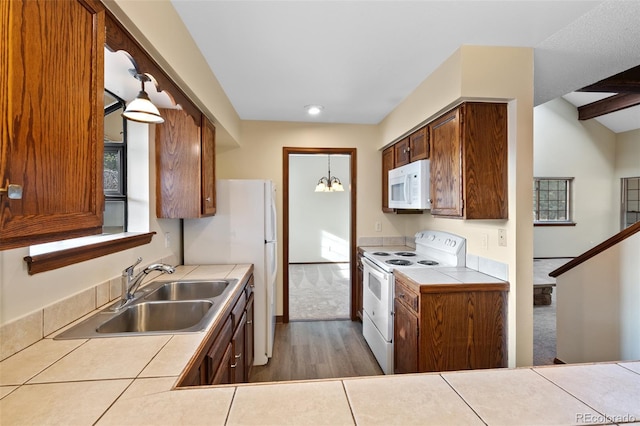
x,y
378,298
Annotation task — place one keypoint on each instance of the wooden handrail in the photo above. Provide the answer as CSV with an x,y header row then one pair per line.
x,y
622,235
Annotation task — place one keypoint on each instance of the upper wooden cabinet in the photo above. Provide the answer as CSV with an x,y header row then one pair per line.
x,y
185,166
388,163
401,153
469,162
52,115
419,145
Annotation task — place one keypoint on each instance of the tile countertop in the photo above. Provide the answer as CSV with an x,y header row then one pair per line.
x,y
130,380
426,279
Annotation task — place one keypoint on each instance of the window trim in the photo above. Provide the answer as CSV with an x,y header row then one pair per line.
x,y
103,245
569,221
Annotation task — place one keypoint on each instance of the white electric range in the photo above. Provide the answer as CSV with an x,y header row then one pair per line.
x,y
433,249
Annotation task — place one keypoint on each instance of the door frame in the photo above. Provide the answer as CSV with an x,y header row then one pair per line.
x,y
286,151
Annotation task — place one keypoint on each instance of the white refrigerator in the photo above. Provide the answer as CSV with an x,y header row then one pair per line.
x,y
243,230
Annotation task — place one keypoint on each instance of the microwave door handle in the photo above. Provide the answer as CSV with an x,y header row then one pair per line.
x,y
407,188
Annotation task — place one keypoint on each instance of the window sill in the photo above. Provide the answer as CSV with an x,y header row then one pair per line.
x,y
57,255
554,224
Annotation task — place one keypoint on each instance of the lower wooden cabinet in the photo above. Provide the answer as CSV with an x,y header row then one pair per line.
x,y
214,359
227,355
450,327
238,361
359,286
249,331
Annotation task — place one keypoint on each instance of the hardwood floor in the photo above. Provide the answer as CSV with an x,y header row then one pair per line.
x,y
306,350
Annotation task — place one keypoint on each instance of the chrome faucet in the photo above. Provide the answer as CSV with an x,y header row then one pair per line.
x,y
130,283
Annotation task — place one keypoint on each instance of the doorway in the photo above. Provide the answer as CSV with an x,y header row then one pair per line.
x,y
349,247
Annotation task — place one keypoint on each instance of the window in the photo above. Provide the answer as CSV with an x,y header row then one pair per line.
x,y
115,166
630,201
552,201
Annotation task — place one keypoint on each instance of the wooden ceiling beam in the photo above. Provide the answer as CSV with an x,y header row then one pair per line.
x,y
608,105
625,82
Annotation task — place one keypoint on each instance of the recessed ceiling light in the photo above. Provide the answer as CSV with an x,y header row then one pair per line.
x,y
314,109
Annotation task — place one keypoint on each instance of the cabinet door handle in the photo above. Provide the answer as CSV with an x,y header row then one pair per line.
x,y
14,192
234,365
239,355
249,322
208,199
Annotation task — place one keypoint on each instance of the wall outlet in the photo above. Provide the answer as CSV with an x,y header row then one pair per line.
x,y
502,237
378,227
484,241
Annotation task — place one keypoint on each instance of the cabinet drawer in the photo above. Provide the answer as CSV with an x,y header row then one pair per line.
x,y
216,352
410,298
238,309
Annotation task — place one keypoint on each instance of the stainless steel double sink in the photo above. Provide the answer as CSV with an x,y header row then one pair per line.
x,y
161,307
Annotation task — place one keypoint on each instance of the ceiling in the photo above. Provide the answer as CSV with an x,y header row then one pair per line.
x,y
360,59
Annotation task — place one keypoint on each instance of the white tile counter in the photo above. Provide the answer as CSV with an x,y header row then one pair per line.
x,y
130,380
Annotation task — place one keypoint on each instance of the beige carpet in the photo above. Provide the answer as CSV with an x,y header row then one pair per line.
x,y
319,291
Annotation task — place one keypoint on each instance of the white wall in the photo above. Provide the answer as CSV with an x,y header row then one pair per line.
x,y
318,221
586,151
597,307
21,293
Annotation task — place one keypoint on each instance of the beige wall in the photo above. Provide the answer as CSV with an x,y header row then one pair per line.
x,y
586,151
502,74
260,157
597,307
627,160
497,73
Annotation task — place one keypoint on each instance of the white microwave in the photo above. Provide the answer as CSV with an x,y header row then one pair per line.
x,y
409,186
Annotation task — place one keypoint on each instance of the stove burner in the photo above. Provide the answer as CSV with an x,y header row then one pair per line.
x,y
380,253
398,262
405,253
428,262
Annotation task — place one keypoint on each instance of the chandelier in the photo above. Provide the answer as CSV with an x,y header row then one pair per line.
x,y
329,183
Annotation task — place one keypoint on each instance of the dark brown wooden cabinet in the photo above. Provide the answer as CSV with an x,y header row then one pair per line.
x,y
405,337
226,356
449,327
238,361
249,337
388,163
208,168
185,166
402,152
359,284
419,145
52,115
468,156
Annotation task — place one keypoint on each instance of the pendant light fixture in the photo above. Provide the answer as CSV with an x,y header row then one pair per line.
x,y
141,109
329,183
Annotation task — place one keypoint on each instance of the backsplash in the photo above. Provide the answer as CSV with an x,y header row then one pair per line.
x,y
488,266
386,241
25,331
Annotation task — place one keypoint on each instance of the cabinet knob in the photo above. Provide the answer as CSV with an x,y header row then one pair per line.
x,y
14,192
208,199
249,322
